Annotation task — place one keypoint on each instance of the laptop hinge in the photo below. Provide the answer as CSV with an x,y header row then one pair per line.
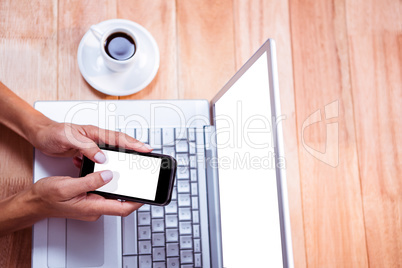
x,y
211,165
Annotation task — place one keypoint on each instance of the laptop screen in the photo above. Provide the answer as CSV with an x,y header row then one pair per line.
x,y
250,217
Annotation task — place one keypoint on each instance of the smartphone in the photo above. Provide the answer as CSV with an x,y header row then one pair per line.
x,y
140,177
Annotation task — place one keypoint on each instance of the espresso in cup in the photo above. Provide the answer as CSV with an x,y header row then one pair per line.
x,y
120,46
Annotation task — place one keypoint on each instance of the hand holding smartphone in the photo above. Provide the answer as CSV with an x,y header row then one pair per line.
x,y
139,177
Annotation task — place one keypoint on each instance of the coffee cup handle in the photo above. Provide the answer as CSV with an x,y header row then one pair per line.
x,y
96,32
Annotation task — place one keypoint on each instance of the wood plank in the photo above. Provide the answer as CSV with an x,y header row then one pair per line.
x,y
28,52
374,33
15,175
28,66
74,20
332,205
28,19
206,47
15,250
159,18
255,22
326,39
17,155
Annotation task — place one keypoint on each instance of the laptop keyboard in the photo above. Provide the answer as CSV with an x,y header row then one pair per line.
x,y
159,237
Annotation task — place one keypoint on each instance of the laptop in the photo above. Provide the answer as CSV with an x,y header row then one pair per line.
x,y
229,206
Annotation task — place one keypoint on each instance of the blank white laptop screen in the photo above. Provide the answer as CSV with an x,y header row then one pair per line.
x,y
250,224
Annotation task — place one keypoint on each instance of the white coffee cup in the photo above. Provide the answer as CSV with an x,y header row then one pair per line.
x,y
116,65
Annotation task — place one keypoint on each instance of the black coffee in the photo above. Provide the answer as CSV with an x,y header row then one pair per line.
x,y
120,46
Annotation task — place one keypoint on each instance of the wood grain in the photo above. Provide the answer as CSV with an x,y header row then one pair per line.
x,y
206,47
74,20
332,205
252,28
375,48
340,58
28,60
28,19
159,18
15,249
28,65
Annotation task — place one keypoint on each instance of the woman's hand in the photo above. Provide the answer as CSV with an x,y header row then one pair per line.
x,y
62,197
70,140
59,139
68,198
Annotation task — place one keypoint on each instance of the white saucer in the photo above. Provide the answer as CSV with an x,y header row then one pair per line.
x,y
125,83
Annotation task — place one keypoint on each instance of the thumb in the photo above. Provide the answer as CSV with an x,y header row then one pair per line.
x,y
90,182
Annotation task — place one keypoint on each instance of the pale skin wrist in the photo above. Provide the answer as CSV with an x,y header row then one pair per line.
x,y
34,125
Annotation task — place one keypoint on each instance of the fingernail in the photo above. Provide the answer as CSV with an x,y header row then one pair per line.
x,y
107,175
100,157
148,146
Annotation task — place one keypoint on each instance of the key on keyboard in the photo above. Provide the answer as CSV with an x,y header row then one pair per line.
x,y
169,236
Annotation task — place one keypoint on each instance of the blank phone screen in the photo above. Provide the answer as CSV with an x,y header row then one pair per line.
x,y
133,175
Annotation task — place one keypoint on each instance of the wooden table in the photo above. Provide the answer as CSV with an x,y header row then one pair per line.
x,y
340,58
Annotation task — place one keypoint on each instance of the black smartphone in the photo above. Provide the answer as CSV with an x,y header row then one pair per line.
x,y
140,177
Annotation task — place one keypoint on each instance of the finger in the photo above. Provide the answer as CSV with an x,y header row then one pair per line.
x,y
82,144
92,151
111,207
77,161
73,187
120,139
78,155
